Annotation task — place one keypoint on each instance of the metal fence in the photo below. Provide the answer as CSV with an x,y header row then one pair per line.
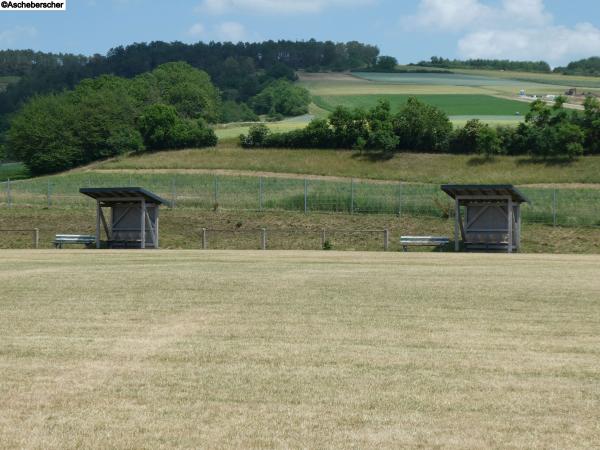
x,y
558,207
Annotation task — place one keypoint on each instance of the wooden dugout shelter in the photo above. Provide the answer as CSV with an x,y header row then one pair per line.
x,y
133,216
492,219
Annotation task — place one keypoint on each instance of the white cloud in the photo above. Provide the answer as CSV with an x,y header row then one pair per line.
x,y
447,14
274,6
514,29
230,31
196,30
15,36
555,44
457,15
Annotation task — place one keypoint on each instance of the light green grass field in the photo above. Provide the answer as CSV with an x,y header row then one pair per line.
x,y
413,167
453,105
189,349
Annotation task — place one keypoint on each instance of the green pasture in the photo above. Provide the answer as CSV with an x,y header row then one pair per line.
x,y
453,105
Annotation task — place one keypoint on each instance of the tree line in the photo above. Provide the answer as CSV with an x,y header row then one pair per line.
x,y
239,71
548,132
586,67
488,64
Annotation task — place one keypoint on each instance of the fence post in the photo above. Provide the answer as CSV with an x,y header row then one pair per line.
x,y
216,192
386,239
351,195
36,238
260,193
173,193
48,196
554,208
400,200
305,196
322,239
204,240
263,238
8,196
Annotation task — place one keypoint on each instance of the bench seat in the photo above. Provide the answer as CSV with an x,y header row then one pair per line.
x,y
82,239
422,241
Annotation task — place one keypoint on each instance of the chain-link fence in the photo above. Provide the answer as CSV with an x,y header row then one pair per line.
x,y
559,207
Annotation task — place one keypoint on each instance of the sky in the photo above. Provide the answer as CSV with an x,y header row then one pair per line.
x,y
556,31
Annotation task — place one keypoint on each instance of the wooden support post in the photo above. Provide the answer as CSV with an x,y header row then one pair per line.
x,y
143,223
456,224
98,214
204,240
152,232
510,225
156,210
106,229
322,239
36,238
263,238
386,239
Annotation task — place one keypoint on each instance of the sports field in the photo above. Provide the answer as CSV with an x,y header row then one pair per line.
x,y
250,349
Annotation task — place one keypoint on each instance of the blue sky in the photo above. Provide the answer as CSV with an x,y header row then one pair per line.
x,y
553,30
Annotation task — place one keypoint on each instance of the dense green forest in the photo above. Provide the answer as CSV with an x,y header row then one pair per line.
x,y
108,115
491,64
239,71
588,66
549,132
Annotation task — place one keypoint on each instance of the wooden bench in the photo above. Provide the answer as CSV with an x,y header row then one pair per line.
x,y
85,239
422,241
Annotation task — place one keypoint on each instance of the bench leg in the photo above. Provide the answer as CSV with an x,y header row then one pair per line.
x,y
405,248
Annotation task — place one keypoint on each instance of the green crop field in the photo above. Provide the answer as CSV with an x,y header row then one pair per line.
x,y
453,105
291,349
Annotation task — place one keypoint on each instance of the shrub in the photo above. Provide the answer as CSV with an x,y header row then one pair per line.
x,y
422,127
256,137
161,128
281,97
237,112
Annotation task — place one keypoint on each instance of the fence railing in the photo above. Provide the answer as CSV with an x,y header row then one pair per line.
x,y
558,207
326,238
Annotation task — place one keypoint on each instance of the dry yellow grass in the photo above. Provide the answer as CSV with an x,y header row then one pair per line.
x,y
190,349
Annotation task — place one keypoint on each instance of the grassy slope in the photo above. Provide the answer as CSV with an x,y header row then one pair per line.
x,y
453,105
201,349
425,168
